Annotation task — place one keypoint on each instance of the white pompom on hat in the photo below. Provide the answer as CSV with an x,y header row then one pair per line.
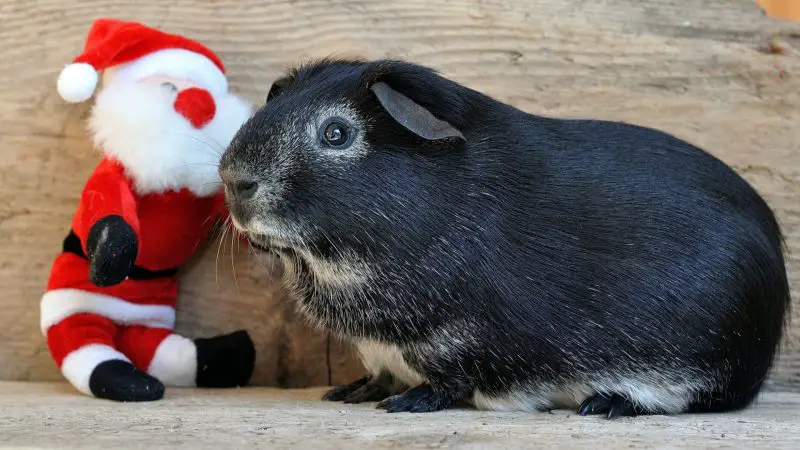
x,y
138,51
77,82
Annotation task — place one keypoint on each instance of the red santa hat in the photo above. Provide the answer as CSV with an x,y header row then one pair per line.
x,y
137,51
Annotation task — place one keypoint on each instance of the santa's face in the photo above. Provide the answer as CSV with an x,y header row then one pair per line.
x,y
168,132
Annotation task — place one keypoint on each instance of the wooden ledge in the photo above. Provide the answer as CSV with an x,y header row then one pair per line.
x,y
52,415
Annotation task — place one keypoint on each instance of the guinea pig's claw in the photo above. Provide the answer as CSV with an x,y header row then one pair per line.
x,y
612,405
339,393
370,392
416,400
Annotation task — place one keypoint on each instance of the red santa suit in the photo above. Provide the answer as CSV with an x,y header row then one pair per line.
x,y
109,308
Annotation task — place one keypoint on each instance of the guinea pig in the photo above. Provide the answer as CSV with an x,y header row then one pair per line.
x,y
475,253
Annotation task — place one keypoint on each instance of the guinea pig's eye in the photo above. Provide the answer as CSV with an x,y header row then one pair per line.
x,y
336,133
169,87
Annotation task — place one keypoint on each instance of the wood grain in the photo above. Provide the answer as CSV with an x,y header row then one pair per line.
x,y
48,416
695,69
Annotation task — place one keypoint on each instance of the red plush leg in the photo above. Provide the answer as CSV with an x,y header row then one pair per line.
x,y
77,331
139,343
160,352
79,343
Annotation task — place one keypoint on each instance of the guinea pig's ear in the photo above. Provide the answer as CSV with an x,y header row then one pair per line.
x,y
278,86
412,116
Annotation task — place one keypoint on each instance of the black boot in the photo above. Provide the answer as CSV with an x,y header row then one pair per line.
x,y
225,361
121,381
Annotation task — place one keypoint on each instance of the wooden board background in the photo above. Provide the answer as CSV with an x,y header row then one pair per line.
x,y
696,69
783,9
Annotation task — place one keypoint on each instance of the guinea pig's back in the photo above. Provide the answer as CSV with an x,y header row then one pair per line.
x,y
650,249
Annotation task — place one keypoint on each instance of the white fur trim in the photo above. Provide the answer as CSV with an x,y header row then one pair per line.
x,y
77,367
178,63
175,362
137,125
77,82
59,304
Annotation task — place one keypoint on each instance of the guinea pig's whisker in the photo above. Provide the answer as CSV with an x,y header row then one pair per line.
x,y
271,267
206,220
226,227
216,231
217,149
233,265
209,183
201,164
211,140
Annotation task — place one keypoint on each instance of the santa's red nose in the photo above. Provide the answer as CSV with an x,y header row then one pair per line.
x,y
197,105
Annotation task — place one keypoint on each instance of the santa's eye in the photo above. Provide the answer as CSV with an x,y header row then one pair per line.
x,y
169,87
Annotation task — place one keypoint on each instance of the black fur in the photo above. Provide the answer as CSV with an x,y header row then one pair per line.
x,y
558,252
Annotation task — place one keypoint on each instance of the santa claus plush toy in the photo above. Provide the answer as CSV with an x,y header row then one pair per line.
x,y
162,118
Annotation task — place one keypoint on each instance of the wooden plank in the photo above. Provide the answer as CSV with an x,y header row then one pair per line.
x,y
782,9
695,69
39,415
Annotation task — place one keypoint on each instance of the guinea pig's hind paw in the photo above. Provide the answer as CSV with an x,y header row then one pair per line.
x,y
612,405
340,393
418,399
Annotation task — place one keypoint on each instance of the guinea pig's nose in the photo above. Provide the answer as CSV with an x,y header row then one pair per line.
x,y
245,189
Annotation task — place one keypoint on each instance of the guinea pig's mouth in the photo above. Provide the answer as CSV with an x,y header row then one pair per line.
x,y
257,239
266,243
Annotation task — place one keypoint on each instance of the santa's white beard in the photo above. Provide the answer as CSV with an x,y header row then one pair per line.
x,y
136,124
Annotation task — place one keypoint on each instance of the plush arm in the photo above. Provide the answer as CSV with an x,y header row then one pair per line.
x,y
107,225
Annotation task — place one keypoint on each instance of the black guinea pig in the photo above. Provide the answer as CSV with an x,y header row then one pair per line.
x,y
474,252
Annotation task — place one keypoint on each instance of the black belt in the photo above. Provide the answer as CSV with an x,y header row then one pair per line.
x,y
72,244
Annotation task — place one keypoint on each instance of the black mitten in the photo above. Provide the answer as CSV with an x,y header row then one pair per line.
x,y
112,247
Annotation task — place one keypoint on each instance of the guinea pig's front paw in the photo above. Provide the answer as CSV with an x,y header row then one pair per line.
x,y
612,405
370,392
418,399
339,393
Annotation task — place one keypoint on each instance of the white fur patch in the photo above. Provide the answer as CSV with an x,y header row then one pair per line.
x,y
652,393
378,357
137,125
661,391
175,362
77,367
513,401
58,304
343,273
